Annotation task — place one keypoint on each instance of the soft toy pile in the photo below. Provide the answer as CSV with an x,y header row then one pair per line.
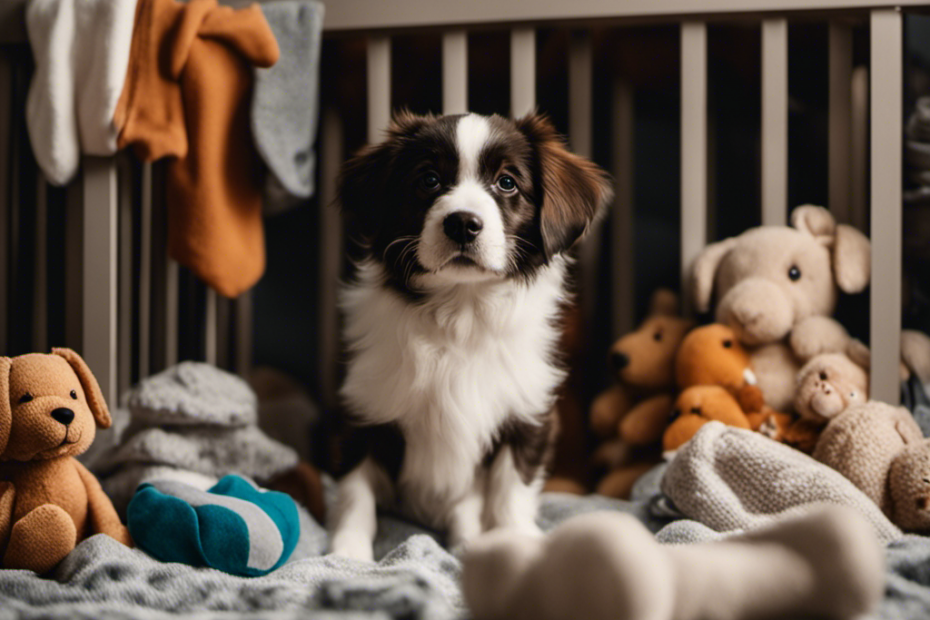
x,y
50,407
194,423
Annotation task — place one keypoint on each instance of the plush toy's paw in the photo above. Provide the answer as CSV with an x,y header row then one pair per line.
x,y
769,428
816,335
41,539
233,527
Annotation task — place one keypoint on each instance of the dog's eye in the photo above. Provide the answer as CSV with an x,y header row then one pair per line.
x,y
430,181
727,344
506,183
25,398
823,375
794,274
657,336
74,394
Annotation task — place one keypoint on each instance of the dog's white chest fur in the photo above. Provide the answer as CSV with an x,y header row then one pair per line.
x,y
450,371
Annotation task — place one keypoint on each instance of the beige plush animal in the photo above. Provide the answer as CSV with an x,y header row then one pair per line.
x,y
607,566
881,450
831,382
777,287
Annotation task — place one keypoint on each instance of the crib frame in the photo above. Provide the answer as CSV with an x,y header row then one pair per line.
x,y
129,322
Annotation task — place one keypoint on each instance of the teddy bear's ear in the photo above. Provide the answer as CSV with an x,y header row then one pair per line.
x,y
704,270
98,406
815,221
852,259
6,409
664,302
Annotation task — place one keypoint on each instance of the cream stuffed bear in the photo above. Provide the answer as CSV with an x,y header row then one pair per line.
x,y
607,566
777,287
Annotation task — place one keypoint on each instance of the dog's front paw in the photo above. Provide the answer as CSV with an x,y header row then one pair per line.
x,y
351,545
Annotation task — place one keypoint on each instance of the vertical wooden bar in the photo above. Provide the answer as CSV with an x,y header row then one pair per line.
x,y
379,86
210,326
885,310
124,322
6,138
100,278
74,269
693,148
840,120
331,248
145,271
522,71
172,284
858,204
455,72
623,303
224,333
775,121
243,362
40,256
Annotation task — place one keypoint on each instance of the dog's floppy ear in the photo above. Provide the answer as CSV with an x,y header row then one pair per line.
x,y
363,178
571,190
6,408
98,406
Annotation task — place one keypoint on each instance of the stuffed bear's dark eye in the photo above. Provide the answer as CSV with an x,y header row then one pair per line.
x,y
657,336
794,273
74,394
823,375
506,183
25,398
430,181
727,344
696,410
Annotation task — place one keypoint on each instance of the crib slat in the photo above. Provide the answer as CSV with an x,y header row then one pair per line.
x,y
330,255
6,136
622,217
858,210
885,311
244,334
774,121
693,148
124,322
100,278
455,72
522,71
840,119
172,285
40,273
145,270
210,326
379,86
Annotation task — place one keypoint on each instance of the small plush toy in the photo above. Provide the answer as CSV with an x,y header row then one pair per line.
x,y
695,407
233,526
632,415
777,287
607,566
881,450
50,406
828,384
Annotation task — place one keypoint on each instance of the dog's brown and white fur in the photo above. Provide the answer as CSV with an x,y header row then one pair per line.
x,y
458,226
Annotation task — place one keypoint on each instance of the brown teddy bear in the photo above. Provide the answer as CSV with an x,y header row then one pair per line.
x,y
50,406
777,287
881,450
695,407
632,415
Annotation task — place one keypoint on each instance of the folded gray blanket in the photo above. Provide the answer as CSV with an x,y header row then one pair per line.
x,y
734,479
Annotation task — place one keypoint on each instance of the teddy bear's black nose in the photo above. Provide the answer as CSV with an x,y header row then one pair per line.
x,y
65,416
619,360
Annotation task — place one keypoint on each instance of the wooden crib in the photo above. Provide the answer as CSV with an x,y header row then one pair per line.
x,y
102,283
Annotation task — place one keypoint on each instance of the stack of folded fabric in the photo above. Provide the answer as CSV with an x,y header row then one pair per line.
x,y
192,423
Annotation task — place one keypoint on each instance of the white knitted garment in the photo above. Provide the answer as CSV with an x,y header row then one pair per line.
x,y
734,479
81,50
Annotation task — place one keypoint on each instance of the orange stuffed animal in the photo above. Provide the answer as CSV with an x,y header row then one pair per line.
x,y
632,415
49,408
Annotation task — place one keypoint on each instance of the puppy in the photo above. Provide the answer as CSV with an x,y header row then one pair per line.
x,y
50,406
458,226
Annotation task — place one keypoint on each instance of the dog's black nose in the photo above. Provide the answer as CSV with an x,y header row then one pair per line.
x,y
462,227
65,416
619,360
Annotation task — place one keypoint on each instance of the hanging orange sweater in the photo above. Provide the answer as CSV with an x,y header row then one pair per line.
x,y
187,96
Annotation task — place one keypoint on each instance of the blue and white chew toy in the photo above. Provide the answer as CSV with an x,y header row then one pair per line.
x,y
234,526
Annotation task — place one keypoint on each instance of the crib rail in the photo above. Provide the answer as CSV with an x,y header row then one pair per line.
x,y
122,296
